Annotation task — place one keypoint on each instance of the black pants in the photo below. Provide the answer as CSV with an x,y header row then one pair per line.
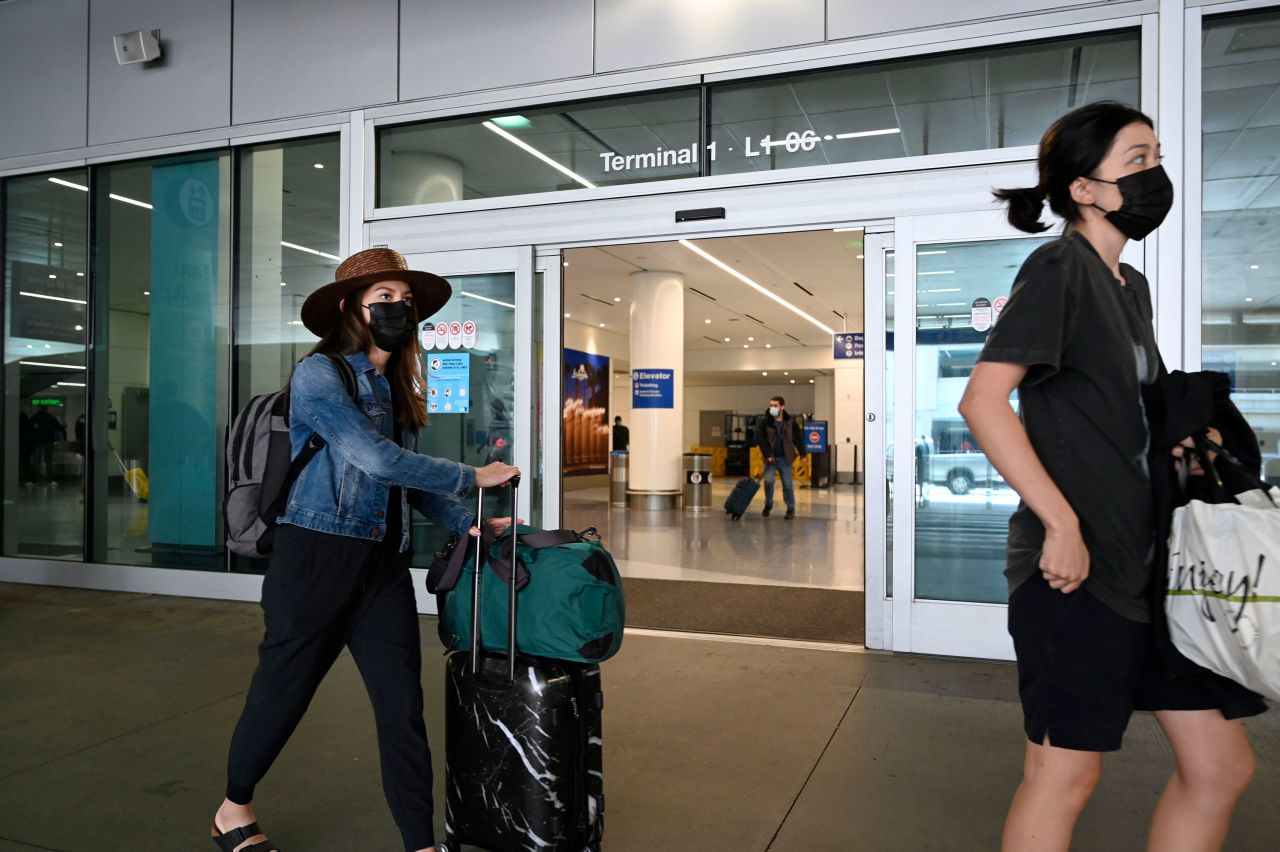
x,y
323,592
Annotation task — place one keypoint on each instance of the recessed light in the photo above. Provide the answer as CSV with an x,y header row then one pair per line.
x,y
53,276
282,284
859,257
751,340
811,381
1253,266
617,298
568,316
79,274
318,165
146,292
1246,298
706,322
48,346
745,346
57,245
786,372
768,346
793,381
602,325
29,346
79,328
726,340
566,263
764,372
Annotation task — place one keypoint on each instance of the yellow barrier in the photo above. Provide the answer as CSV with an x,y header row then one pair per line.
x,y
717,454
802,467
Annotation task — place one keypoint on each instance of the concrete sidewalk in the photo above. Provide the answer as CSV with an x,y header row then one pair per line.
x,y
116,710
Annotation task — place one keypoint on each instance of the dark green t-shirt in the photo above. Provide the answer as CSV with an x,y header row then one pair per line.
x,y
1090,346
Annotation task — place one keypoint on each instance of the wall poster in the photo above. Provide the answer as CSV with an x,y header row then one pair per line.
x,y
586,413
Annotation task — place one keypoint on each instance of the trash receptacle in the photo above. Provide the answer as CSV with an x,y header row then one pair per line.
x,y
618,478
697,482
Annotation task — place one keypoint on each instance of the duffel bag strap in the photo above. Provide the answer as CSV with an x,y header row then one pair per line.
x,y
502,565
549,538
447,567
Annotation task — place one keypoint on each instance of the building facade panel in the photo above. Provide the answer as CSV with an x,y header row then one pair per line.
x,y
310,56
643,33
189,88
41,45
520,42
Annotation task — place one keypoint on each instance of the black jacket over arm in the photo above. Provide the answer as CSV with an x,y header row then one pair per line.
x,y
1178,405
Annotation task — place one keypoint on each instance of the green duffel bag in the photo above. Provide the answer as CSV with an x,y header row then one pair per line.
x,y
569,602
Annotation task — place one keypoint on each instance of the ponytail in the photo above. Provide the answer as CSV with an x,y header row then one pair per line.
x,y
1025,207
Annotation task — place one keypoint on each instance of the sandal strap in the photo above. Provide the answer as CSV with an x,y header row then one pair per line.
x,y
229,840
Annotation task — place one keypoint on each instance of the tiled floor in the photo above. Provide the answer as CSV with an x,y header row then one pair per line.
x,y
115,711
822,548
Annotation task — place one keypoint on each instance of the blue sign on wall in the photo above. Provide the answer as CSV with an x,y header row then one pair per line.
x,y
653,389
848,345
448,383
815,436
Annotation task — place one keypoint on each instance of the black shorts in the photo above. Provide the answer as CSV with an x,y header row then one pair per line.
x,y
1083,669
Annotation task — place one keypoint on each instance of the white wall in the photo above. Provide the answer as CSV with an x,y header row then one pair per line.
x,y
846,430
744,399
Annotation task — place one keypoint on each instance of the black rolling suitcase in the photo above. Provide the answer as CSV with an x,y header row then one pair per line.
x,y
739,500
523,746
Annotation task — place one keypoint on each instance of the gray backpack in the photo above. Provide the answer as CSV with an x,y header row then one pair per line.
x,y
259,471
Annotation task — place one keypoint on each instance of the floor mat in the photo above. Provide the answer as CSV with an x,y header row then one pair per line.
x,y
820,615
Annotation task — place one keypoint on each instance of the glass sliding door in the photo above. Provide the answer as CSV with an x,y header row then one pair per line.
x,y
478,360
949,587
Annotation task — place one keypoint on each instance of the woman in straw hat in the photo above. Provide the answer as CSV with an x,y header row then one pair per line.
x,y
339,567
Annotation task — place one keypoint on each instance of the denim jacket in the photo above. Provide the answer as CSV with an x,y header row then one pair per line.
x,y
344,489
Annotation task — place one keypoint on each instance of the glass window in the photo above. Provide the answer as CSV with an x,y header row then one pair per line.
x,y
161,255
962,503
470,390
1240,226
289,231
939,104
632,139
45,264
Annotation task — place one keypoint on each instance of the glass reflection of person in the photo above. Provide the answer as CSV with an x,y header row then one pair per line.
x,y
339,572
1076,341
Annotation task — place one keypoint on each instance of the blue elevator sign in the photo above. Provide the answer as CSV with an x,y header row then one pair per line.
x,y
653,389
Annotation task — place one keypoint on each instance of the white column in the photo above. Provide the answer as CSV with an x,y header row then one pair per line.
x,y
657,347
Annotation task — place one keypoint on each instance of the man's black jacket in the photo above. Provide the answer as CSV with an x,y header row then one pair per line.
x,y
1179,405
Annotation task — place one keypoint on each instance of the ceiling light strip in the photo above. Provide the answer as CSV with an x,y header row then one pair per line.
x,y
487,299
45,364
297,247
52,298
541,156
127,200
61,182
862,134
745,280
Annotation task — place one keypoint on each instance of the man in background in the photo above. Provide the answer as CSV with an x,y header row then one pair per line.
x,y
621,436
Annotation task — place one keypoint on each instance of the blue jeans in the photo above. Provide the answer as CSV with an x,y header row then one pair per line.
x,y
783,470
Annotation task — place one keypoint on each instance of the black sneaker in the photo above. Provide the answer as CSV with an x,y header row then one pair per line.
x,y
791,513
767,510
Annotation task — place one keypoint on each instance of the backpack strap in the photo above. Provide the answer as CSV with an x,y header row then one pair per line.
x,y
314,444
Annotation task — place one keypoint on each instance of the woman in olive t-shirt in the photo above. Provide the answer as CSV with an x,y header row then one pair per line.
x,y
1076,341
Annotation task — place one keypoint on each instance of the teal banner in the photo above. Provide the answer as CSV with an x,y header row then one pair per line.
x,y
183,451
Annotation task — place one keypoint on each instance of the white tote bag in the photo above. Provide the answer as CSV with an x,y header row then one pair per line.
x,y
1223,600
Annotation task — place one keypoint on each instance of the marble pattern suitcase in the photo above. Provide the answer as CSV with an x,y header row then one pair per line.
x,y
523,749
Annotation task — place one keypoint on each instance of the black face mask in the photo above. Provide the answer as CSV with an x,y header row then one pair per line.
x,y
1147,197
392,324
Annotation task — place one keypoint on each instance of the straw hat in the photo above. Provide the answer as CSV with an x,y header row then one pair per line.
x,y
320,310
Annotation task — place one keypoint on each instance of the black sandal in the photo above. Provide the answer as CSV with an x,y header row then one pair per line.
x,y
228,841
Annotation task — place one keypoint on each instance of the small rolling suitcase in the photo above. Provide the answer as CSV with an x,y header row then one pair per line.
x,y
740,499
523,745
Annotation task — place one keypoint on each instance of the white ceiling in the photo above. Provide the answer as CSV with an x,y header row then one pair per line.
x,y
826,264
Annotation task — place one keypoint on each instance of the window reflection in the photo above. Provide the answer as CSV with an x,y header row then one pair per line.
x,y
962,503
1241,219
45,251
161,265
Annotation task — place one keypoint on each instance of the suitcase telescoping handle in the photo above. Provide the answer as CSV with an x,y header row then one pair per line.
x,y
511,587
